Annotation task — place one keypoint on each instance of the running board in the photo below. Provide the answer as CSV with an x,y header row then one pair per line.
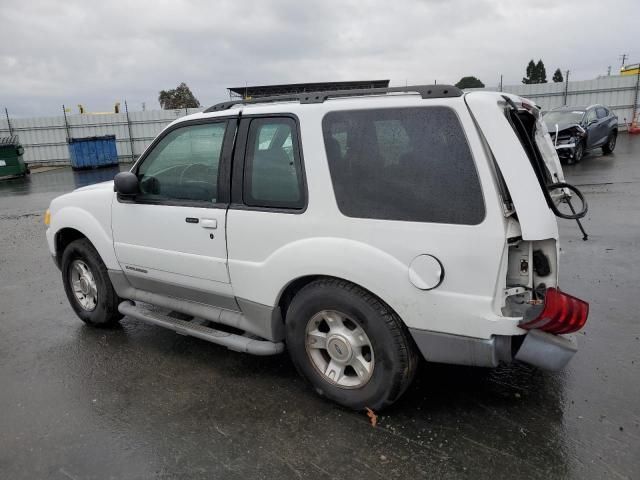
x,y
238,343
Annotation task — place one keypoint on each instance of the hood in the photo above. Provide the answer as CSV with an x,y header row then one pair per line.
x,y
108,185
563,127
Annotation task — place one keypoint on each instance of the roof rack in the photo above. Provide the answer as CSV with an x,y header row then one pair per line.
x,y
425,91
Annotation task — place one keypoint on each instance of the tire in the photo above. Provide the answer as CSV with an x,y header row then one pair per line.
x,y
610,146
81,256
578,154
387,364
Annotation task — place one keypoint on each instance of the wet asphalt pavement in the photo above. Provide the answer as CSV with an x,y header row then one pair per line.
x,y
141,401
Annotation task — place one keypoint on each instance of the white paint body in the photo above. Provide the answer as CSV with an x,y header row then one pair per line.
x,y
256,254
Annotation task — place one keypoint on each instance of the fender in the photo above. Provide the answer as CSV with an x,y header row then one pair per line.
x,y
93,221
357,262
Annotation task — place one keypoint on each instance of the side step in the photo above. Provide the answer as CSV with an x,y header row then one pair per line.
x,y
238,343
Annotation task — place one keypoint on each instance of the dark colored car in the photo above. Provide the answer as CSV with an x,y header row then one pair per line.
x,y
576,130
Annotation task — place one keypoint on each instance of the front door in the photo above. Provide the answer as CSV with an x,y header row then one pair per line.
x,y
171,239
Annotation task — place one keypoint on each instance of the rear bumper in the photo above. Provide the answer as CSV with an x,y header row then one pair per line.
x,y
546,350
541,349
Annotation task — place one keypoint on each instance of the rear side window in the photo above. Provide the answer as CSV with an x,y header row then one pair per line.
x,y
273,169
602,112
410,164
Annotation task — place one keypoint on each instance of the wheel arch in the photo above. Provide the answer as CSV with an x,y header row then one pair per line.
x,y
294,286
71,223
63,238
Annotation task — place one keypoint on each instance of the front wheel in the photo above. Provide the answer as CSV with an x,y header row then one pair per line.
x,y
351,347
608,147
578,153
87,285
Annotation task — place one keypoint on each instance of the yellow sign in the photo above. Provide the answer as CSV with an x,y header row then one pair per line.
x,y
630,69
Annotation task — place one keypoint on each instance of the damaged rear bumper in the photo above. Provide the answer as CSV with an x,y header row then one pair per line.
x,y
541,349
546,350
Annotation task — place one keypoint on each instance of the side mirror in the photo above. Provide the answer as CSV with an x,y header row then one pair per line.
x,y
126,184
20,150
592,122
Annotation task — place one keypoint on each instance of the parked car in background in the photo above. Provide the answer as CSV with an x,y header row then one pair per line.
x,y
576,130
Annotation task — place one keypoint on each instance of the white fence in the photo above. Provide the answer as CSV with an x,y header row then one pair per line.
x,y
617,92
45,138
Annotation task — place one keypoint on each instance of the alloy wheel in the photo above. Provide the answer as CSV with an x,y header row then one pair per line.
x,y
339,349
84,285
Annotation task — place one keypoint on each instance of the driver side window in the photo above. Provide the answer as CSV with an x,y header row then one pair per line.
x,y
184,165
591,115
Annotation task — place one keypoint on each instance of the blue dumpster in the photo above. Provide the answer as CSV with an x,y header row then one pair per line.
x,y
92,152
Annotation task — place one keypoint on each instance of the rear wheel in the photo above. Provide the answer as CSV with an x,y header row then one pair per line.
x,y
87,285
608,147
350,346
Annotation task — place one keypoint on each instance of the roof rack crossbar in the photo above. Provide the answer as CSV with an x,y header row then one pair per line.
x,y
425,91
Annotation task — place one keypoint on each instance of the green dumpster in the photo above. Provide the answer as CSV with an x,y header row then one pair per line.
x,y
11,163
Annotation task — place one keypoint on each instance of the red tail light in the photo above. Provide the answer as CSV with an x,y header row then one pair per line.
x,y
561,313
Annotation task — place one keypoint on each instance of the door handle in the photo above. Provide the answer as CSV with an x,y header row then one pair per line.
x,y
208,223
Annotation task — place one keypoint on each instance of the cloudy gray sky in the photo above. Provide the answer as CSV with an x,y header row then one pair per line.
x,y
99,52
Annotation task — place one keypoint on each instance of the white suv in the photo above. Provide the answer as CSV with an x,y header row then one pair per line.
x,y
361,229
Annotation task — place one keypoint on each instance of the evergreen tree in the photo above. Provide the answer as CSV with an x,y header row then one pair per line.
x,y
536,73
557,76
541,73
531,72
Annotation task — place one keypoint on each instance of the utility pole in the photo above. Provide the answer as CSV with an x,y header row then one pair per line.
x,y
623,57
66,124
500,82
6,112
635,98
566,86
126,109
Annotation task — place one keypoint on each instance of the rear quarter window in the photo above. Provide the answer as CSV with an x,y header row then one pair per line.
x,y
407,164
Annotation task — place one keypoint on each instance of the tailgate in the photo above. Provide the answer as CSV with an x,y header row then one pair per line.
x,y
536,219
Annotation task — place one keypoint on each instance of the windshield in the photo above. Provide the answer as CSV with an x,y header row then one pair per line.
x,y
565,117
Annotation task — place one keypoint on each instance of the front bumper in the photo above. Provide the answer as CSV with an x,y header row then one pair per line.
x,y
541,349
52,247
565,150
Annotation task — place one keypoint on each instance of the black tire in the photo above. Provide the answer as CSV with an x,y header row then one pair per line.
x,y
578,154
395,354
105,313
610,146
